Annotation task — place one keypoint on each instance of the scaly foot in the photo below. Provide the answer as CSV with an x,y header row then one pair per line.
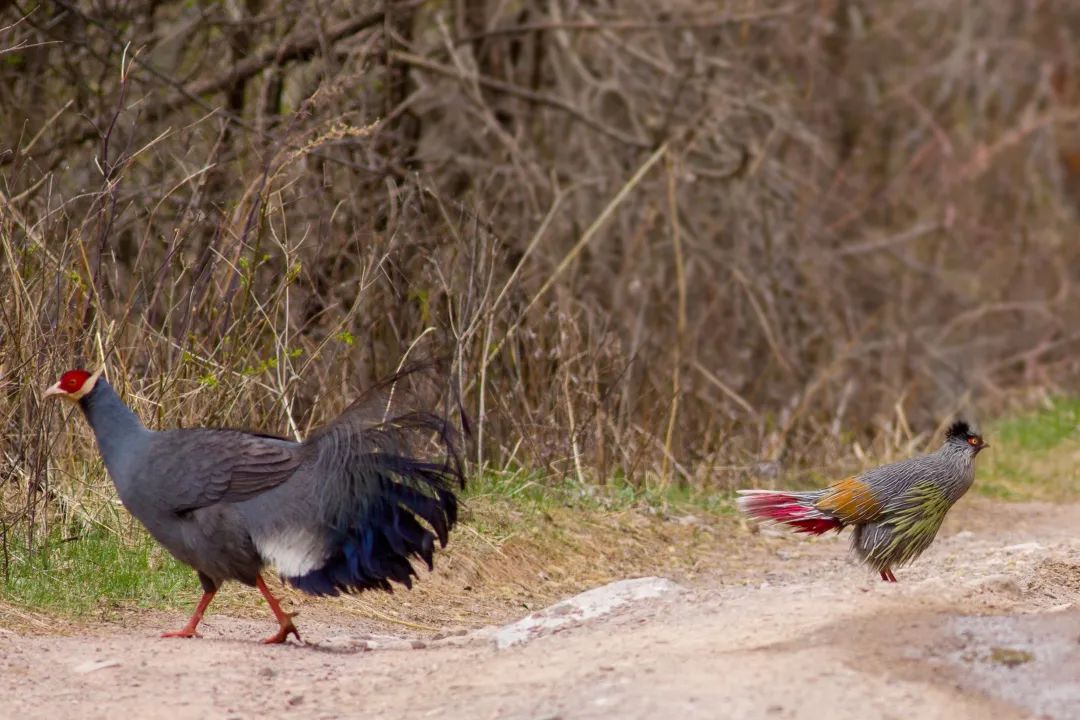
x,y
285,629
185,632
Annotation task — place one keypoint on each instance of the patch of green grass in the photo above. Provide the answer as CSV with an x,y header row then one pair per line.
x,y
94,568
1033,456
1041,430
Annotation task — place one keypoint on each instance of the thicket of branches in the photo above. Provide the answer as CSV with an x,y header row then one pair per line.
x,y
669,239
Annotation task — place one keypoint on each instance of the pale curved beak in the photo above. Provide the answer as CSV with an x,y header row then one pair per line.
x,y
52,390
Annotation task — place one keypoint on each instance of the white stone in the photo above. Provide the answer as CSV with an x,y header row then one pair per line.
x,y
91,665
586,606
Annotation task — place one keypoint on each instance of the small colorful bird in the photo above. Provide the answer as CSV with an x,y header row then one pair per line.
x,y
343,511
896,509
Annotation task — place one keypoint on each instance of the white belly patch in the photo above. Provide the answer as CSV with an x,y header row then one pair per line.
x,y
294,552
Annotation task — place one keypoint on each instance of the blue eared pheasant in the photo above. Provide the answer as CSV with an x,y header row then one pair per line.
x,y
339,512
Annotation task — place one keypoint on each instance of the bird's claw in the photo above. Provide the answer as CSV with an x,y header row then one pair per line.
x,y
285,628
184,633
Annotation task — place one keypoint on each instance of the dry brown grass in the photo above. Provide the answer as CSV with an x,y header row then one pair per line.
x,y
680,242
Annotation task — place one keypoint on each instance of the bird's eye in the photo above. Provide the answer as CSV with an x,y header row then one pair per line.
x,y
973,440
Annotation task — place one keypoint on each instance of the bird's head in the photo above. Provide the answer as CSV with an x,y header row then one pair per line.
x,y
73,384
965,436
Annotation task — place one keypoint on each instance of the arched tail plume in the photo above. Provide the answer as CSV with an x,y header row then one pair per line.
x,y
386,480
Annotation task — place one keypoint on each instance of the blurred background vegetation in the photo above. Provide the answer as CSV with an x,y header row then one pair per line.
x,y
694,244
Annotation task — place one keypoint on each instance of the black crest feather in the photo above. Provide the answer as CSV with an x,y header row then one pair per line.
x,y
959,429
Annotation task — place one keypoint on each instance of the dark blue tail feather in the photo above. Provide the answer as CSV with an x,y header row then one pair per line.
x,y
380,505
374,546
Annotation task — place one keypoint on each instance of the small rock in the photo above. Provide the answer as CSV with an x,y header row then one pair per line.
x,y
418,644
295,700
267,672
92,665
1010,657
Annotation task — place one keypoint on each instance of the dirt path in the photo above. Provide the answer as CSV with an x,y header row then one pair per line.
x,y
987,625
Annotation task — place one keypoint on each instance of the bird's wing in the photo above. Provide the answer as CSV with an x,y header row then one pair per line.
x,y
851,500
202,467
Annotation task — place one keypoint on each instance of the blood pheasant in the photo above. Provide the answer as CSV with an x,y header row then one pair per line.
x,y
338,512
896,509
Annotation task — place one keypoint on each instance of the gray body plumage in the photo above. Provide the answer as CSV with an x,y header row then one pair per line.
x,y
329,513
915,494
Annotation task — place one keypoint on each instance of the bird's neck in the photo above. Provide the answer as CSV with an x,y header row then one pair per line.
x,y
117,429
964,474
957,454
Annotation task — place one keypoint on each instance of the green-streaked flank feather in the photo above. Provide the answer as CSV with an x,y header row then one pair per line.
x,y
917,517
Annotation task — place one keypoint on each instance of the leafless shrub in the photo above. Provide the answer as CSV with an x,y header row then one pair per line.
x,y
673,241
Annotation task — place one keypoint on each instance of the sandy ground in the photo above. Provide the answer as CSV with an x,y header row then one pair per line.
x,y
987,624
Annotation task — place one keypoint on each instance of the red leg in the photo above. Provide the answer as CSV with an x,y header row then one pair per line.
x,y
189,629
887,575
285,623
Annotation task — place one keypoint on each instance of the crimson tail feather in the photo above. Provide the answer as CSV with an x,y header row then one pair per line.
x,y
796,510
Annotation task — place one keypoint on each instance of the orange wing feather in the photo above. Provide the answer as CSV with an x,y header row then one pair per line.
x,y
850,500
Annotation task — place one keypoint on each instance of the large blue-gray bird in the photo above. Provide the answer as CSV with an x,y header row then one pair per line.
x,y
339,512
